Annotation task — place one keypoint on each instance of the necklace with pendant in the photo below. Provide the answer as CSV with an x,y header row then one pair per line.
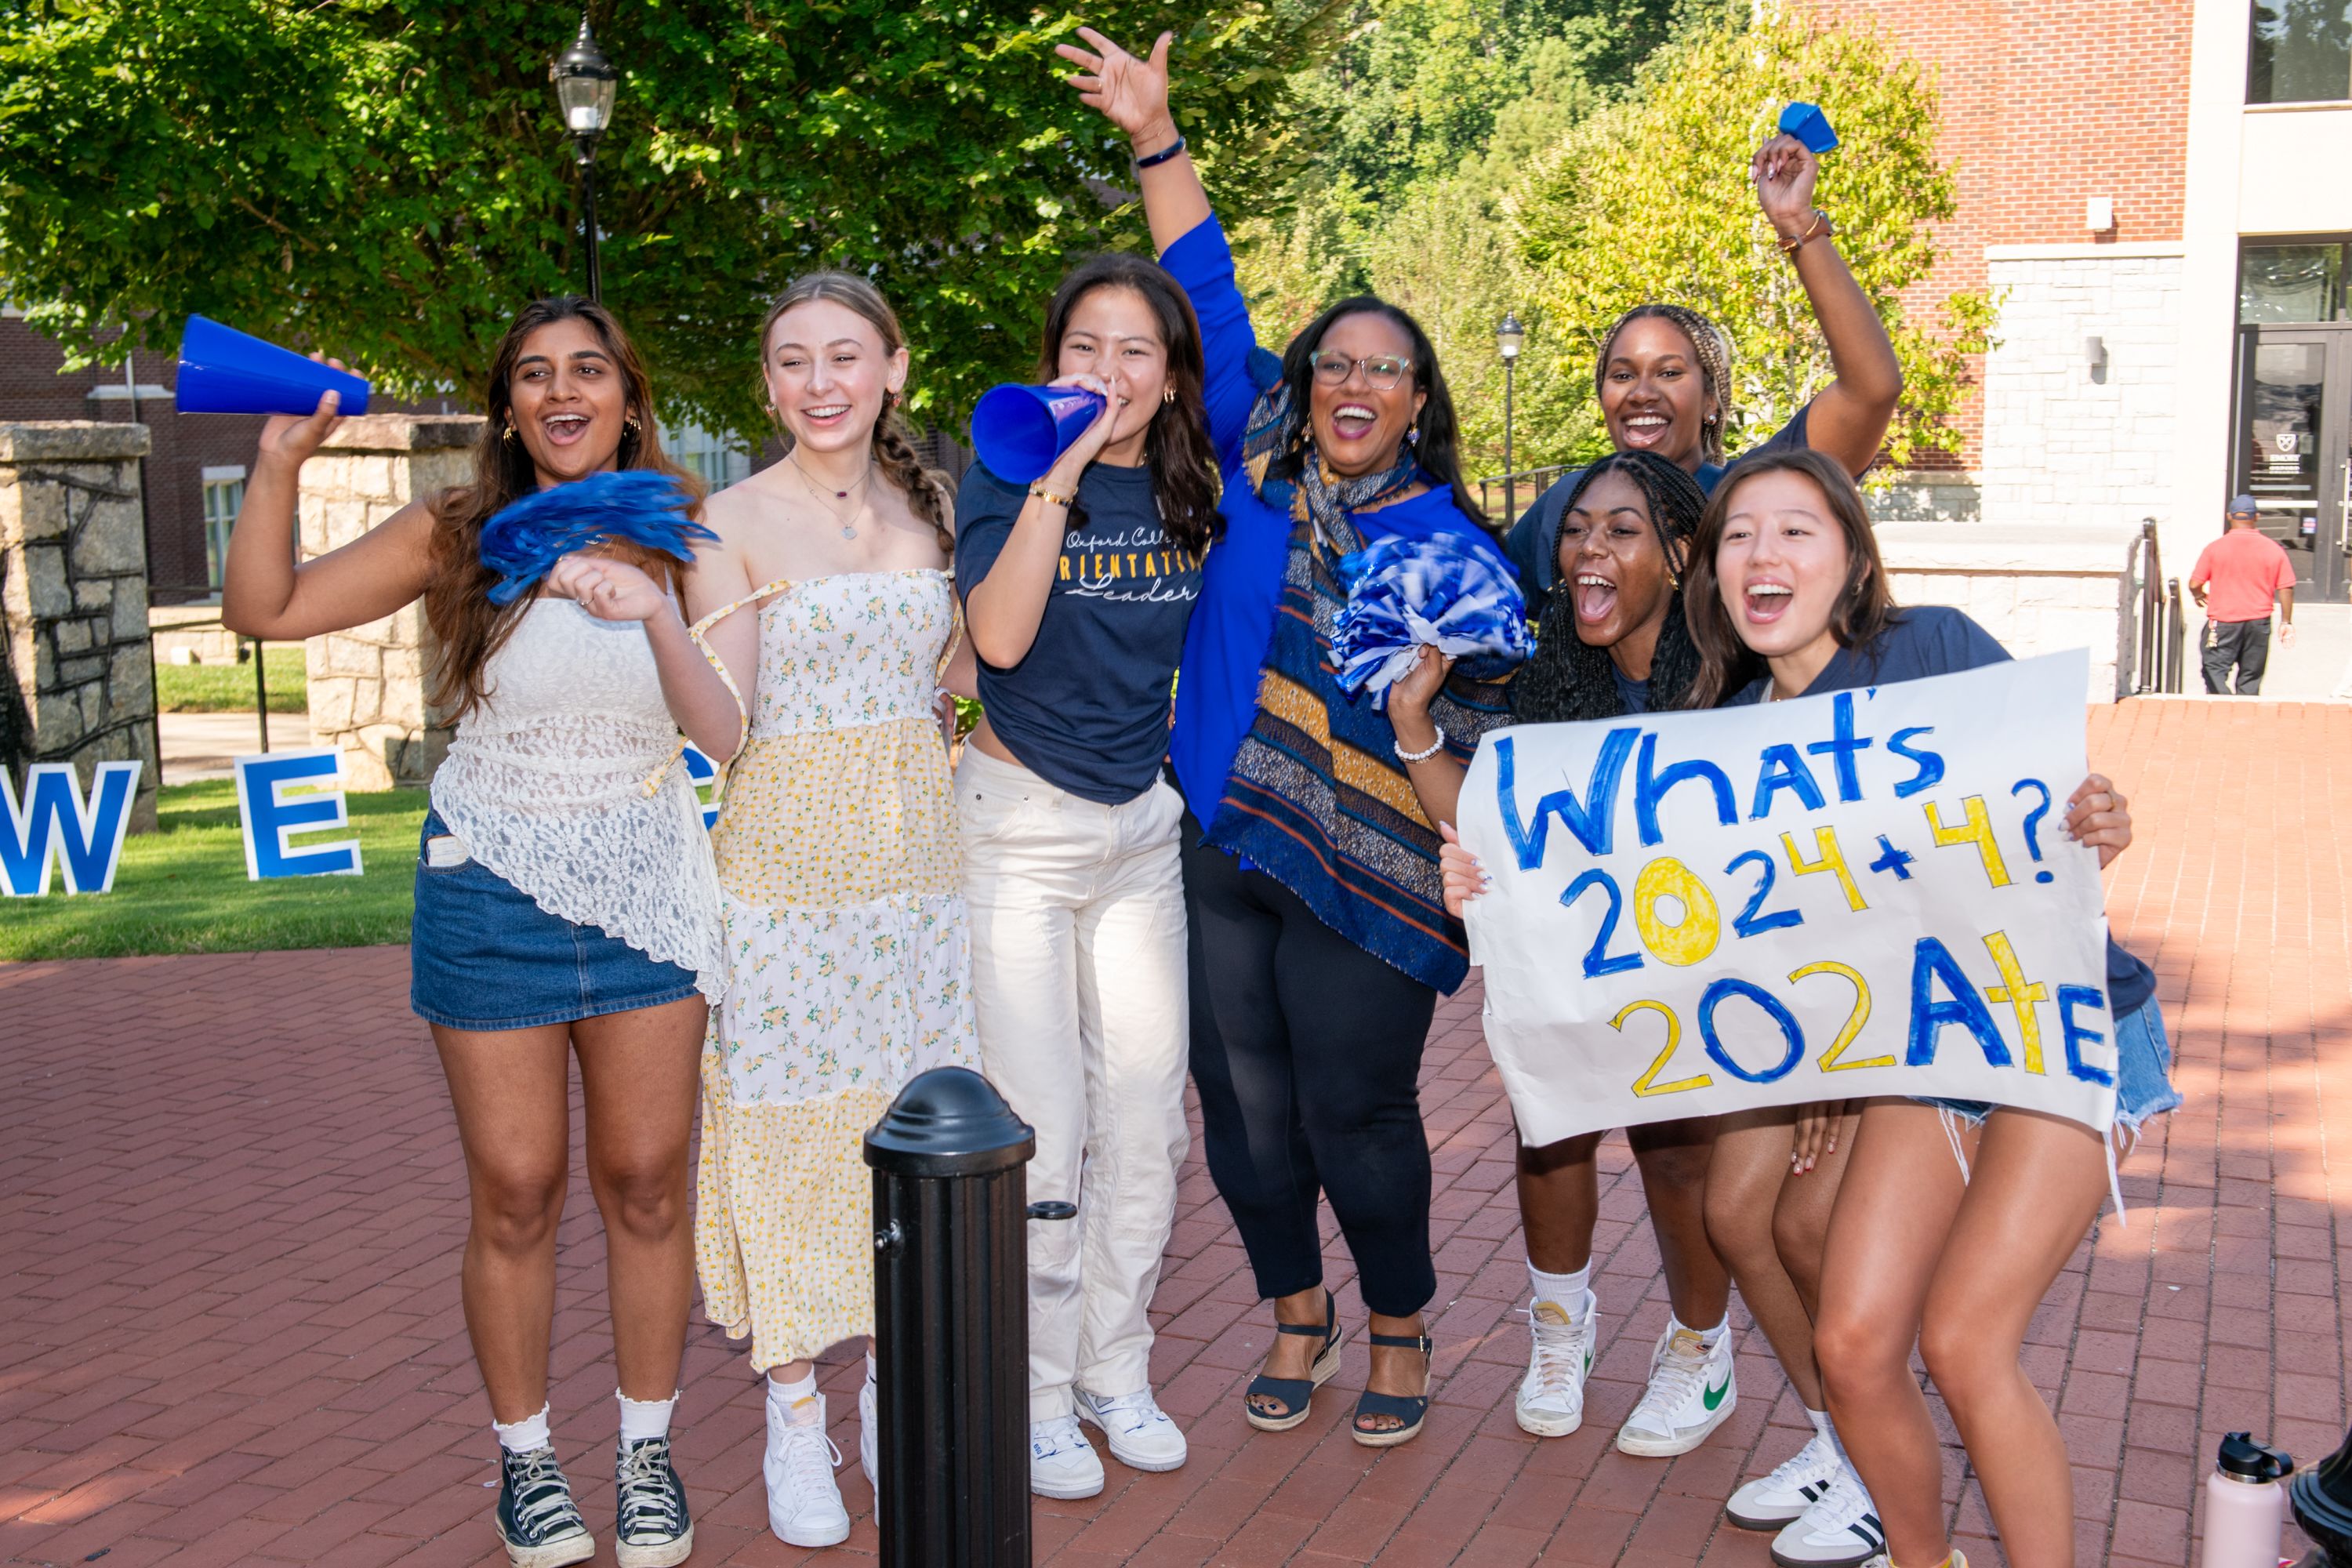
x,y
848,528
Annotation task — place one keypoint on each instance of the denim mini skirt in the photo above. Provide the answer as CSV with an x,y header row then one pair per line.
x,y
482,954
2143,1074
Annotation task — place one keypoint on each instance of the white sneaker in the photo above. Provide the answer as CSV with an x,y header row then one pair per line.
x,y
869,1436
1551,1396
1142,1436
1840,1531
804,1501
1062,1463
1781,1498
1691,1393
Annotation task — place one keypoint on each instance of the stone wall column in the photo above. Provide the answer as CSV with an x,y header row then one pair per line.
x,y
76,676
367,684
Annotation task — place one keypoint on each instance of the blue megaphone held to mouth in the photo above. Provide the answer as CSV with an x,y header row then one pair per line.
x,y
222,370
1807,123
1020,432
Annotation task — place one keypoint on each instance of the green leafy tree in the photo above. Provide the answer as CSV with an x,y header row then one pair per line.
x,y
1650,199
386,178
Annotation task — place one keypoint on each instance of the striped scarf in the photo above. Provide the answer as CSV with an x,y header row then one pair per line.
x,y
1316,797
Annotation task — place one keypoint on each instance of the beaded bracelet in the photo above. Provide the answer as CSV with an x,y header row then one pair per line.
x,y
1041,493
1435,747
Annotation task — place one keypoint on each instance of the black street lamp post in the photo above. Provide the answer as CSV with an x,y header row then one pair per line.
x,y
584,84
1508,339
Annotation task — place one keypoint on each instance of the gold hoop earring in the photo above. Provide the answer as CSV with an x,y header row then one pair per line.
x,y
1167,394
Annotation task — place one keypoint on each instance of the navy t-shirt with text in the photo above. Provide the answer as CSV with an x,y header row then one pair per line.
x,y
1086,708
1935,639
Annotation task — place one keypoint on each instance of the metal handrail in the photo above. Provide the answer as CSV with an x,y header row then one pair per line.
x,y
1535,481
2160,638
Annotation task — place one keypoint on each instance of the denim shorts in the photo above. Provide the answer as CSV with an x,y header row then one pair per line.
x,y
2143,1074
483,955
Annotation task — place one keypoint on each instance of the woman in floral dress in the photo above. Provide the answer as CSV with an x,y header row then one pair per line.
x,y
846,942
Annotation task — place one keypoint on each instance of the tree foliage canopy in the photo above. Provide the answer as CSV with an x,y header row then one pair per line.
x,y
387,179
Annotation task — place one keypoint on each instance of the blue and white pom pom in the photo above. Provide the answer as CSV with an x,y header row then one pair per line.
x,y
637,505
1404,593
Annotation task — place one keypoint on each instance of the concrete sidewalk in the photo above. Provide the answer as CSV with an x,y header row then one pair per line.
x,y
231,1207
199,746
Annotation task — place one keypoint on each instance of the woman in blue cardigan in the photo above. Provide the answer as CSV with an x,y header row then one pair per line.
x,y
1319,937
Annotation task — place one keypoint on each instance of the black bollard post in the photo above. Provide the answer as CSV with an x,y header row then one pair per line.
x,y
952,1324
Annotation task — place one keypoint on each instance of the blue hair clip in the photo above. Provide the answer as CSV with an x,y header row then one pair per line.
x,y
637,505
1403,593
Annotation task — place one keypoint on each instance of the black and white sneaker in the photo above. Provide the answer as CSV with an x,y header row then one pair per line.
x,y
652,1524
538,1522
1840,1531
1769,1503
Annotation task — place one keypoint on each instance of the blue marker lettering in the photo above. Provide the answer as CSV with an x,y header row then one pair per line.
x,y
1783,769
1650,787
1843,746
1930,963
1593,820
1929,763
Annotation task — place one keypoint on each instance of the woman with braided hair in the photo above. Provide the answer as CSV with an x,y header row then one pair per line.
x,y
827,615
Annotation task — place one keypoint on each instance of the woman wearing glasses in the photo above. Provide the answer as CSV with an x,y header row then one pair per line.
x,y
1319,938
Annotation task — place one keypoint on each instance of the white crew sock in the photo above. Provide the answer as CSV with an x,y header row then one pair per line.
x,y
1710,1337
1824,1430
523,1436
1571,1293
644,1418
798,1400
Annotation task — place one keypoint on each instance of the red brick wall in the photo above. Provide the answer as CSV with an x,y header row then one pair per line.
x,y
2044,106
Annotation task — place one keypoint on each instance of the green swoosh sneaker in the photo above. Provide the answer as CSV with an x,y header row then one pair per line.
x,y
1692,1392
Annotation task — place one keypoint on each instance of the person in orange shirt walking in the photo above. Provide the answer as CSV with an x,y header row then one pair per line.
x,y
2242,569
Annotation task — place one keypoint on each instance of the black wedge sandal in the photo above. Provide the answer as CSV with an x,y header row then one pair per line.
x,y
1410,1409
1298,1394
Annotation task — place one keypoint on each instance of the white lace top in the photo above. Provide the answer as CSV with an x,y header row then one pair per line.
x,y
545,782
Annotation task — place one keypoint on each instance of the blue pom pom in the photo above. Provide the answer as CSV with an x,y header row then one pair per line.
x,y
638,506
1403,593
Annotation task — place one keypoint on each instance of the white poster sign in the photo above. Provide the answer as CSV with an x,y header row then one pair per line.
x,y
1864,893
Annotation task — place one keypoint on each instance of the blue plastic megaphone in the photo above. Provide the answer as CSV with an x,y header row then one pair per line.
x,y
222,370
1020,432
1807,123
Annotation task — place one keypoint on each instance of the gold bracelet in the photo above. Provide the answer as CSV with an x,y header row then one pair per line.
x,y
1041,493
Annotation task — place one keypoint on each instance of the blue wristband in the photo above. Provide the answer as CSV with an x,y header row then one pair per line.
x,y
1162,155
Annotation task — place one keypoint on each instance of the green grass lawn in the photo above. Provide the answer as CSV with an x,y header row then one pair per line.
x,y
229,688
183,888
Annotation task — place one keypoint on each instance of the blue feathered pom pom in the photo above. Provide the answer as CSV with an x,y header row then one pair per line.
x,y
1403,592
639,506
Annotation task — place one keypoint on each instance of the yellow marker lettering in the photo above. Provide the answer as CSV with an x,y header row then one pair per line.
x,y
1647,1083
1976,829
1828,856
1692,938
2019,994
1831,1060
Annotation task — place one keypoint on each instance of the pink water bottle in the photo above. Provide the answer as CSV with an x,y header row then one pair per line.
x,y
2245,1505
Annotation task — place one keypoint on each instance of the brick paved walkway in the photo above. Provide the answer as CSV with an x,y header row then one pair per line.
x,y
231,1203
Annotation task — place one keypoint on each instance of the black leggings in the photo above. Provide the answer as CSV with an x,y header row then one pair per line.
x,y
1307,1052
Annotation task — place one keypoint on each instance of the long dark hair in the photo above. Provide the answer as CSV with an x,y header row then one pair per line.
x,y
466,628
925,488
1865,603
1567,678
1709,345
1176,445
1436,434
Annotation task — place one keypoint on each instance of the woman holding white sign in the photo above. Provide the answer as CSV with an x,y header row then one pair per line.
x,y
562,908
1787,598
1612,640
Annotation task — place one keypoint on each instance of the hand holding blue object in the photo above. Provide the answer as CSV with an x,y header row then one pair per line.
x,y
643,506
1403,593
1807,123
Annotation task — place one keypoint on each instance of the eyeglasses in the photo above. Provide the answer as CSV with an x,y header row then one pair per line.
x,y
1382,372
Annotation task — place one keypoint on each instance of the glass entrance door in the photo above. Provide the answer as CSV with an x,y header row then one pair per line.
x,y
2295,435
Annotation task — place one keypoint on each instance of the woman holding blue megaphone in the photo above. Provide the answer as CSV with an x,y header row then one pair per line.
x,y
1317,935
566,899
1078,553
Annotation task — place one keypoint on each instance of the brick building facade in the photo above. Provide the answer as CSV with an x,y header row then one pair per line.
x,y
2153,191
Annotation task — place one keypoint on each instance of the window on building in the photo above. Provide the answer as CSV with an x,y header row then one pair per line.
x,y
2299,282
2301,52
717,458
224,493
